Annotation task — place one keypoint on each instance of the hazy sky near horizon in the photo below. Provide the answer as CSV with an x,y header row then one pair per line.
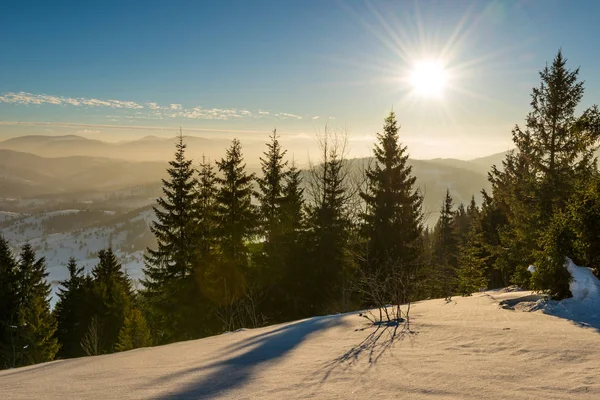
x,y
116,70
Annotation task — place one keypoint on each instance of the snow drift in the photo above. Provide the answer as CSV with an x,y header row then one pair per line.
x,y
584,307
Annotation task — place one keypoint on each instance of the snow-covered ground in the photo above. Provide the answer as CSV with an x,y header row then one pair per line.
x,y
583,308
83,244
470,348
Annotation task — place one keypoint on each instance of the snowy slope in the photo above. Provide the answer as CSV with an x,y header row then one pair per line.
x,y
584,307
467,349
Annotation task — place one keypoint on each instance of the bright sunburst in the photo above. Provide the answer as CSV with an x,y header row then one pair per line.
x,y
428,78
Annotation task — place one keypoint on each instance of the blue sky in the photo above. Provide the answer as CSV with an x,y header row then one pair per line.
x,y
118,70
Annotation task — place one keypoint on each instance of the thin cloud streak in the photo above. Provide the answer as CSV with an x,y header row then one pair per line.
x,y
150,110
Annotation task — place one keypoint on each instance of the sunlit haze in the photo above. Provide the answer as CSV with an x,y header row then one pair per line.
x,y
458,74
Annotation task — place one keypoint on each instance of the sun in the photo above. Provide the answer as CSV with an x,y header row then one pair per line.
x,y
428,78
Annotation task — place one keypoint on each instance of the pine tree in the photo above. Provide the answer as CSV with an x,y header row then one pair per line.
x,y
237,222
471,262
446,248
584,212
169,268
392,223
35,325
290,246
555,151
9,301
235,212
205,212
134,333
198,310
329,224
271,189
473,212
70,311
112,295
462,224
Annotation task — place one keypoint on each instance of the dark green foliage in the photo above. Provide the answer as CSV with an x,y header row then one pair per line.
x,y
112,295
236,224
471,262
271,186
71,311
554,153
557,243
169,270
329,227
35,326
584,212
134,333
392,223
9,300
446,249
294,279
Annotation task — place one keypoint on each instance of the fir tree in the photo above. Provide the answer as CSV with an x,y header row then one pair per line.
x,y
555,151
471,262
70,311
271,186
236,214
392,223
205,211
134,333
35,325
9,301
237,222
446,248
169,267
473,212
329,224
112,298
290,246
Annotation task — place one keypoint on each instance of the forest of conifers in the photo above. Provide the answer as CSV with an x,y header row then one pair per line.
x,y
236,250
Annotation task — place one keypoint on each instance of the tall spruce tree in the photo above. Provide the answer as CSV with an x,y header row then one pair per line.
x,y
35,340
205,213
271,186
272,257
199,309
112,297
554,152
294,279
329,224
446,248
168,273
71,311
392,223
237,222
471,274
9,300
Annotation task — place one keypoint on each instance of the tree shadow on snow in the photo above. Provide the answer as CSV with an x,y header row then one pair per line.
x,y
380,340
233,372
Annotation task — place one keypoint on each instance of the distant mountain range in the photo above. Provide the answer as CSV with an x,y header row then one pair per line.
x,y
81,168
149,148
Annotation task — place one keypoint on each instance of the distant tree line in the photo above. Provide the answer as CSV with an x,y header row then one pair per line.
x,y
238,250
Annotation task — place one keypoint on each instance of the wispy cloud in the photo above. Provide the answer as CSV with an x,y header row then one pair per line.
x,y
38,99
316,117
148,110
288,115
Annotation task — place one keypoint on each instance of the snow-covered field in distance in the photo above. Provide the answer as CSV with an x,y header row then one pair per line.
x,y
56,237
469,348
